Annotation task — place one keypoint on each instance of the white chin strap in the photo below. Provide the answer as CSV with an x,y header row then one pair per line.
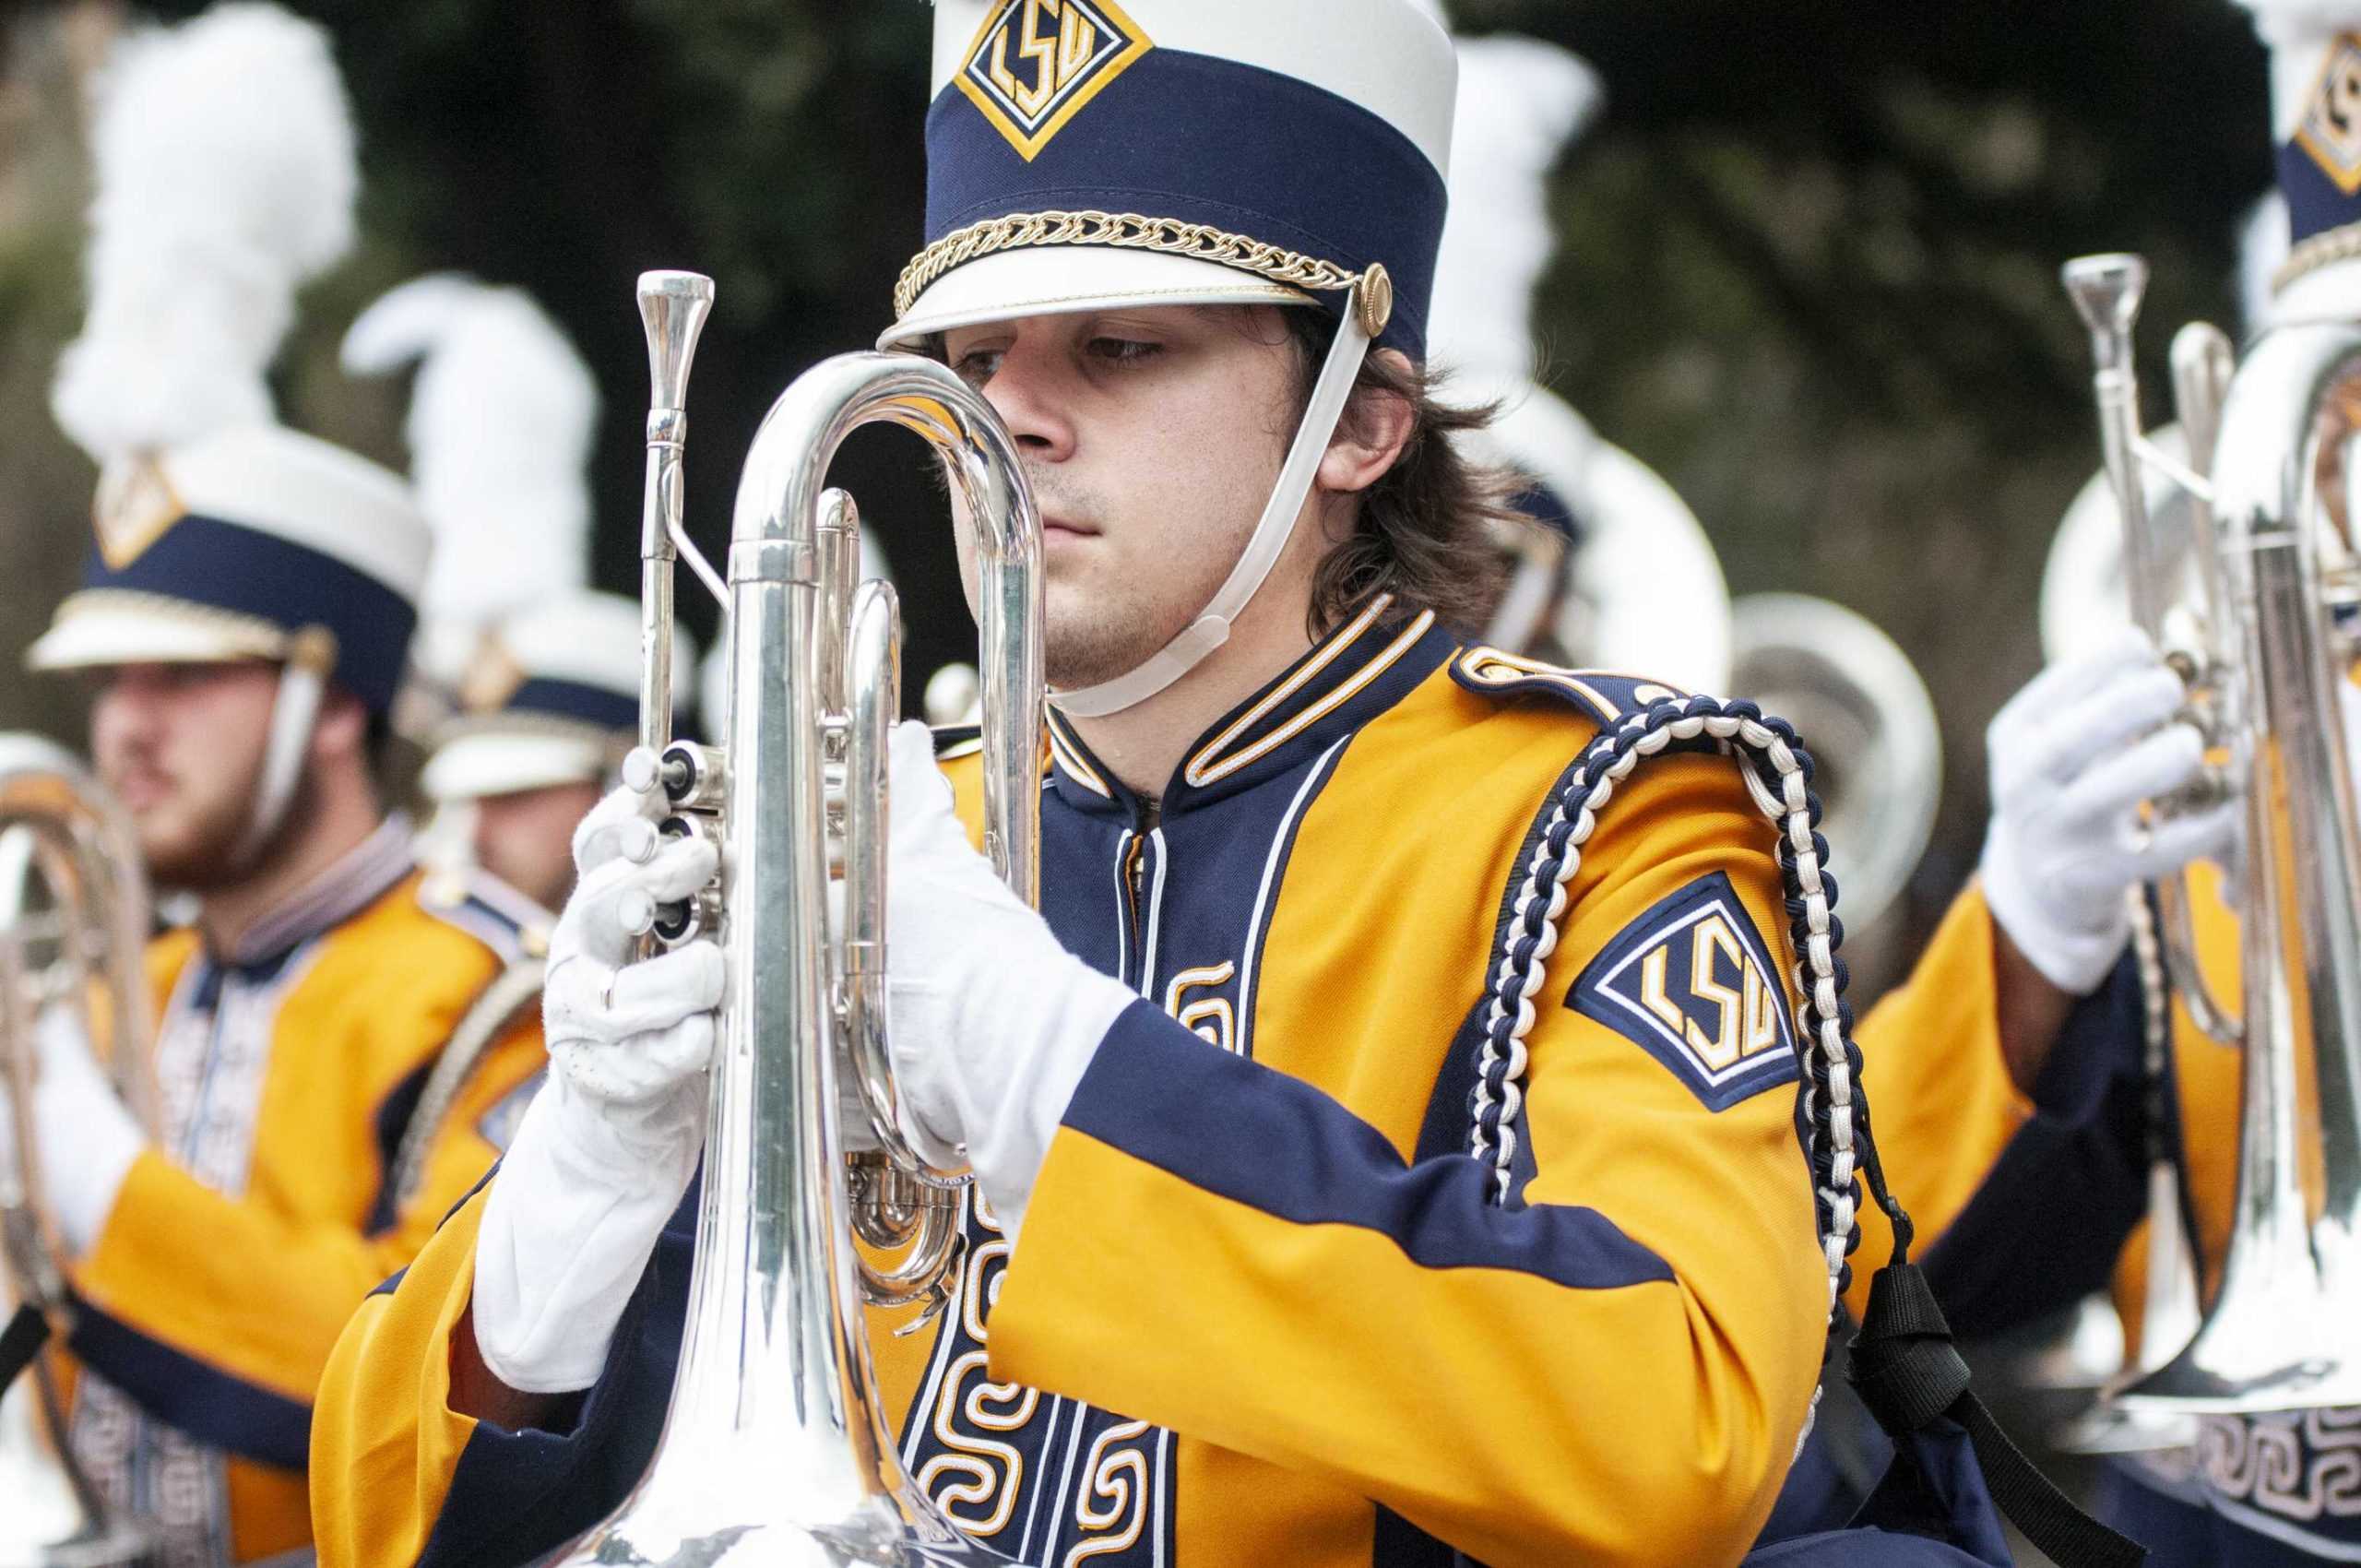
x,y
1210,628
302,681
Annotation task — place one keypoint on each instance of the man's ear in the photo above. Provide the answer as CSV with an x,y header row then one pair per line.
x,y
1377,424
342,728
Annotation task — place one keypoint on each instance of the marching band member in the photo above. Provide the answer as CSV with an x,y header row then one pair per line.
x,y
2035,1082
546,712
1235,1289
244,618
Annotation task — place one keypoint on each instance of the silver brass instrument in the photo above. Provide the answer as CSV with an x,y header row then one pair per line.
x,y
73,914
2258,633
775,1450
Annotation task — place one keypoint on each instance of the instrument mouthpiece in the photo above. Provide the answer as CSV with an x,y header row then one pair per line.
x,y
672,306
2106,289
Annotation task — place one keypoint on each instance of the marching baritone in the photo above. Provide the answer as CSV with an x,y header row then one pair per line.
x,y
245,619
1286,1243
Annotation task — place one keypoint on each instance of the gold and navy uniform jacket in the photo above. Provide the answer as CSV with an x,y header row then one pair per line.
x,y
237,1250
1265,1306
2040,1201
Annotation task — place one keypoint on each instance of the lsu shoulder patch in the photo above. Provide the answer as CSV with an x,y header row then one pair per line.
x,y
1691,982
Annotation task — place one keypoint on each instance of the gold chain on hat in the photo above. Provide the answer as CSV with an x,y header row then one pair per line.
x,y
1131,230
2331,245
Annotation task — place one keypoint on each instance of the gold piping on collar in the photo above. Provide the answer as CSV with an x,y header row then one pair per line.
x,y
1204,768
1068,757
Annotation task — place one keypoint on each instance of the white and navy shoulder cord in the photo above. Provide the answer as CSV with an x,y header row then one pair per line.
x,y
1902,1361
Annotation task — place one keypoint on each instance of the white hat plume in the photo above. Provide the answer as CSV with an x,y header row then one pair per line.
x,y
501,422
225,180
1520,102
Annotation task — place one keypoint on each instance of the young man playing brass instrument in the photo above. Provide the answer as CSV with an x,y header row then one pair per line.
x,y
1372,1161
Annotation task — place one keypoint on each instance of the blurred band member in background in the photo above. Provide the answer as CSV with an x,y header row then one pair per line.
x,y
546,713
245,619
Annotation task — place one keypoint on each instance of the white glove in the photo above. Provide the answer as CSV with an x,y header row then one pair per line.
x,y
992,1022
88,1139
610,1145
2072,756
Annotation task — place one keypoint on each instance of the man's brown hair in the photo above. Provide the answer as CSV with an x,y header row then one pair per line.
x,y
1429,528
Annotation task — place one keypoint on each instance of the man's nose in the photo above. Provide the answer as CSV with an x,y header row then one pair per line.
x,y
1030,390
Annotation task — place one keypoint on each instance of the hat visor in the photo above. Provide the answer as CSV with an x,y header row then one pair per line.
x,y
474,766
1063,279
98,629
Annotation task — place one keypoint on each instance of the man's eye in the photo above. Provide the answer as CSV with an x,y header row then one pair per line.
x,y
978,365
1124,351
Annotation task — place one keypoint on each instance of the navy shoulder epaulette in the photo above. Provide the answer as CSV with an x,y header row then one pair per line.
x,y
487,909
1602,697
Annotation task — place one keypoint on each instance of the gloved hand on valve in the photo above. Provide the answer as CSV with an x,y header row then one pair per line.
x,y
610,1145
2073,758
991,1024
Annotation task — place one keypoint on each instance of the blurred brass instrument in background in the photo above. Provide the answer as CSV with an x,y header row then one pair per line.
x,y
1639,589
775,1450
73,924
2255,615
1876,745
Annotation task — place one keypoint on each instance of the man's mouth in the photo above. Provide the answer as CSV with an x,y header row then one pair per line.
x,y
140,789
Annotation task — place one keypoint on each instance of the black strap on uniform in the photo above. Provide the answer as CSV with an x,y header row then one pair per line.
x,y
1909,1375
27,1332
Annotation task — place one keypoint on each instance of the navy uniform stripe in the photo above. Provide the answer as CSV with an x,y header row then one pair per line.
x,y
1258,1138
208,1404
387,1125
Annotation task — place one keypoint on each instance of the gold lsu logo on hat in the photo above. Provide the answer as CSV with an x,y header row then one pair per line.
x,y
135,506
2331,128
1036,63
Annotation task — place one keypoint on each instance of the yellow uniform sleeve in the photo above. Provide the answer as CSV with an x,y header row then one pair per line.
x,y
1942,1102
385,1441
400,1479
1611,1368
217,1312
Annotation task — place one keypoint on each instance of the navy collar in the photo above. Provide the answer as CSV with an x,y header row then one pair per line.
x,y
1358,671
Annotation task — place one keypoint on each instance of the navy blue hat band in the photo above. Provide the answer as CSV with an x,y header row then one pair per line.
x,y
207,561
1191,139
576,700
1545,505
